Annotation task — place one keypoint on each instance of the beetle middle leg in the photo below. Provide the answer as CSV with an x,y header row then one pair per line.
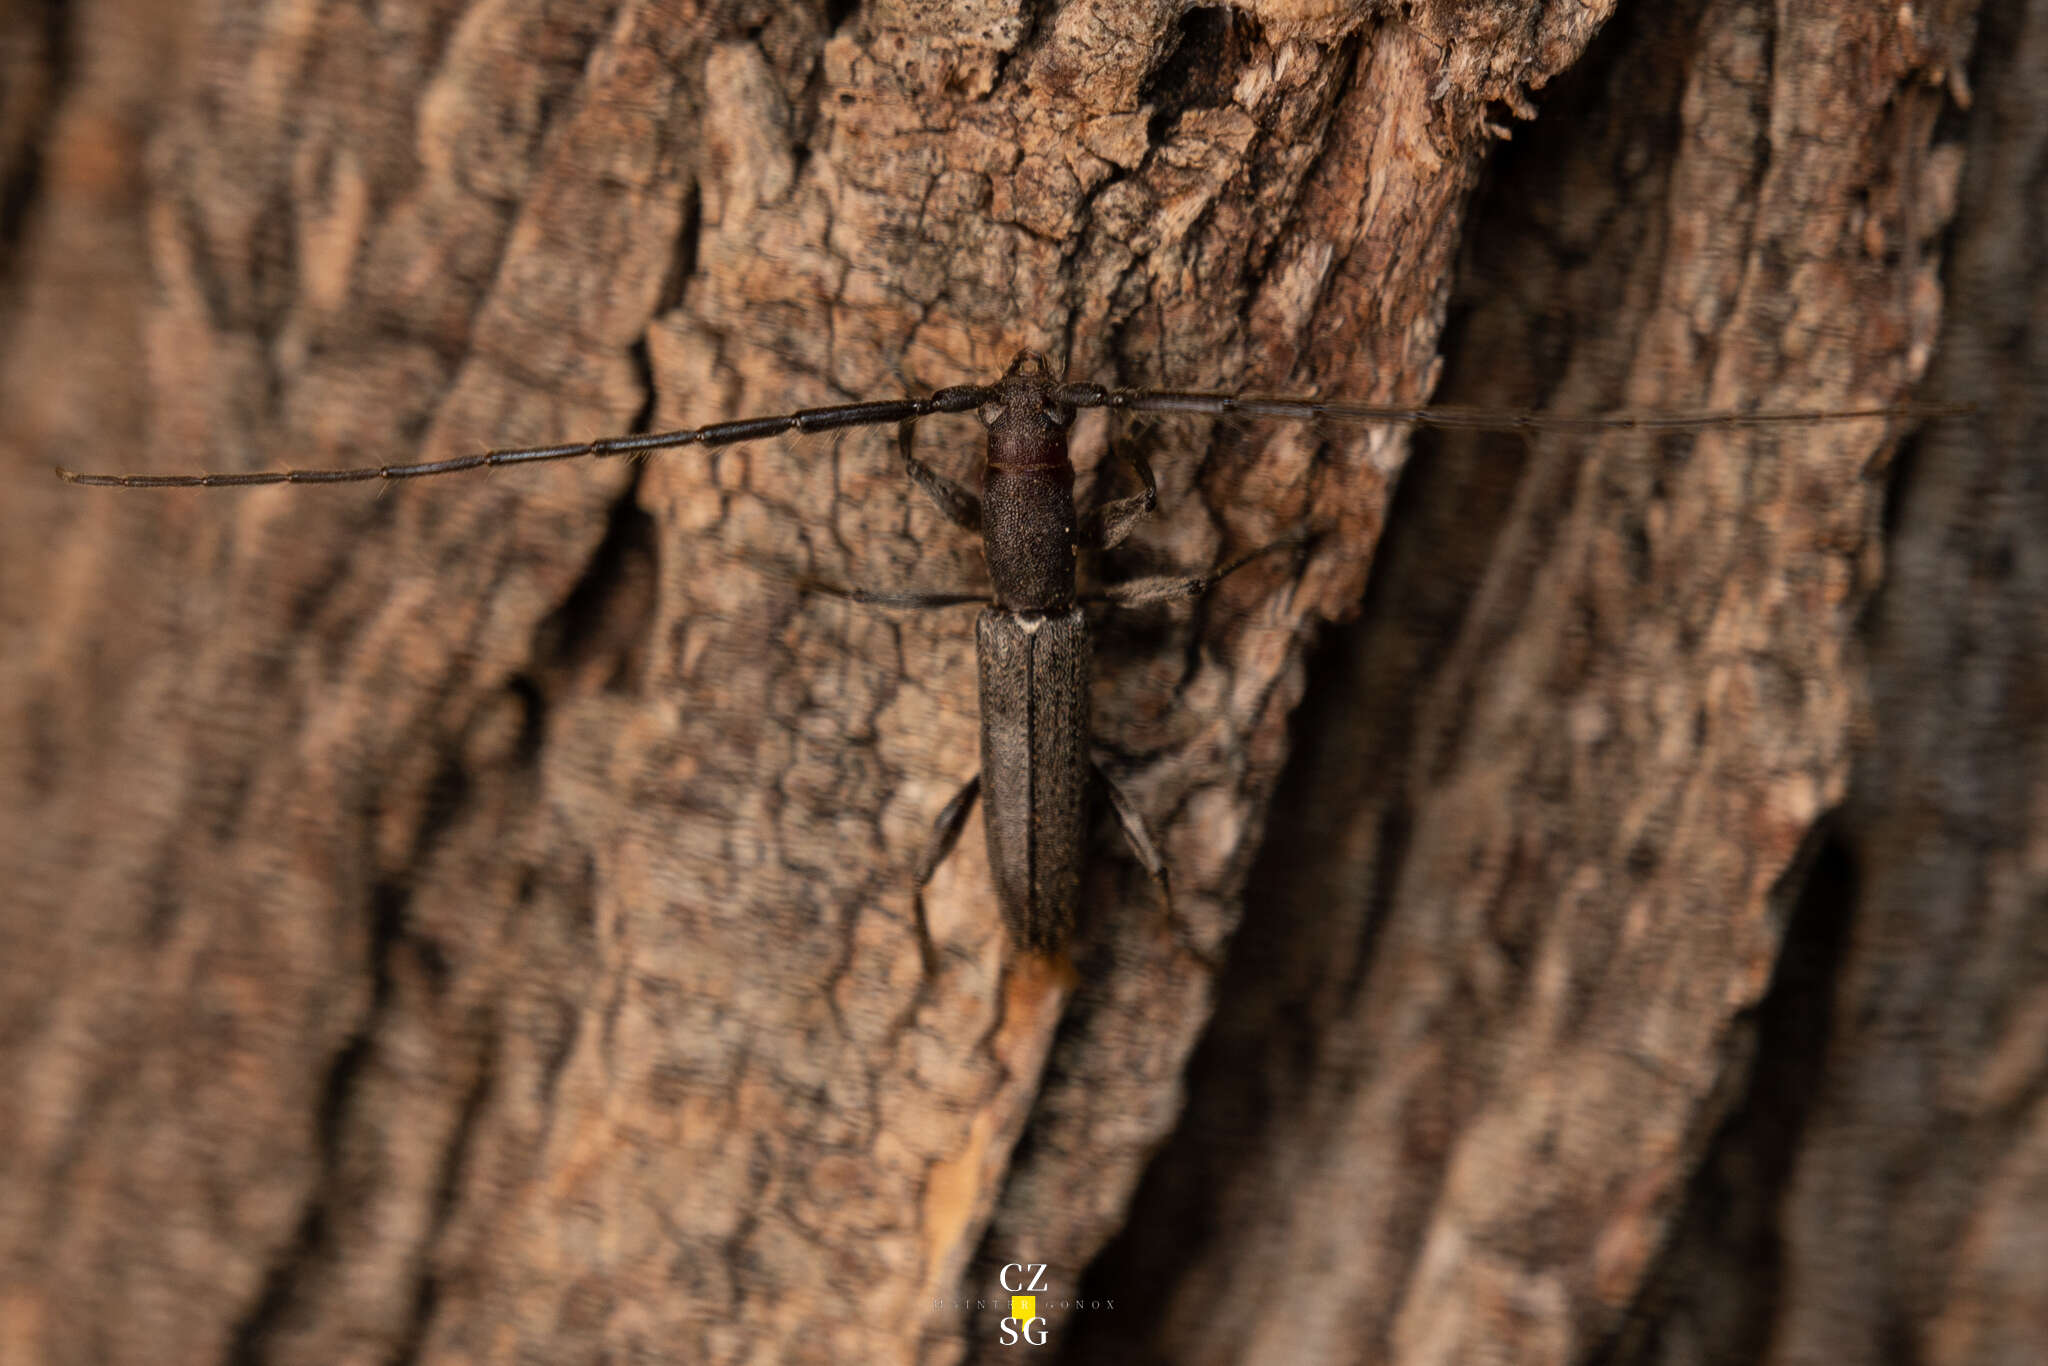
x,y
1106,527
1169,587
954,499
879,598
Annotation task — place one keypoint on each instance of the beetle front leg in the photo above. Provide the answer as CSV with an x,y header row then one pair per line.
x,y
955,500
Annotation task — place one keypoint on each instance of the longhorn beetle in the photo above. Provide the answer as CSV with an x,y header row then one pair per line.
x,y
1031,641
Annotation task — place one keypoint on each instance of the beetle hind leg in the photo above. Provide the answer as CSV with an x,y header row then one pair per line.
x,y
1137,834
945,834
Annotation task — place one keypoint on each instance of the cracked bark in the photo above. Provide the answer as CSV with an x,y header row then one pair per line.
x,y
473,921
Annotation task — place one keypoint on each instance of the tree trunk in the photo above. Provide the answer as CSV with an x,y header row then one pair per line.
x,y
473,919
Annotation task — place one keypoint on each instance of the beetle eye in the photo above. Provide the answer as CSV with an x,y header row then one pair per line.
x,y
988,413
1059,414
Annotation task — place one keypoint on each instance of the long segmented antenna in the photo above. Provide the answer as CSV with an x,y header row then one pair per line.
x,y
958,399
1450,418
967,397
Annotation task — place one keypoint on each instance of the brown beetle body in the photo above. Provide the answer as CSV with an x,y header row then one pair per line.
x,y
1032,650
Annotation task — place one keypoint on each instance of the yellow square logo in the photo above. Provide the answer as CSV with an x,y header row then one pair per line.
x,y
1023,1308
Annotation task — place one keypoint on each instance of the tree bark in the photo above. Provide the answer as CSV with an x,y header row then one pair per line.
x,y
472,920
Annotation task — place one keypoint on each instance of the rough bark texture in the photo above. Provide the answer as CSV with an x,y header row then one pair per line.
x,y
472,921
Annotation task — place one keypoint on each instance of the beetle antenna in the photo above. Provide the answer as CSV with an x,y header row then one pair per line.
x,y
874,413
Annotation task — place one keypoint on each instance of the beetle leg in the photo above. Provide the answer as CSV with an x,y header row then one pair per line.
x,y
1166,588
1137,833
1110,523
874,598
945,834
956,500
